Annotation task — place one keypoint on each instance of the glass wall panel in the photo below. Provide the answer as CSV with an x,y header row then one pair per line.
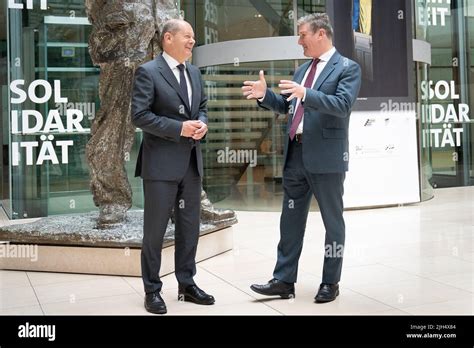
x,y
4,133
305,7
469,127
423,109
48,49
49,54
244,150
243,154
447,23
225,20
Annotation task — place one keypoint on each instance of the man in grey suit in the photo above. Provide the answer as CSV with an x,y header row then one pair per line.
x,y
169,105
319,100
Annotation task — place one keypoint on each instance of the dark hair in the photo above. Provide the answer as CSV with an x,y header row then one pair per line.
x,y
318,21
170,26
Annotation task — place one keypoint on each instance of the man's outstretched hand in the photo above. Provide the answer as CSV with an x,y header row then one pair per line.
x,y
291,88
255,89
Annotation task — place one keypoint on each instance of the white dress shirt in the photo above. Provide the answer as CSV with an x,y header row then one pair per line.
x,y
324,59
173,64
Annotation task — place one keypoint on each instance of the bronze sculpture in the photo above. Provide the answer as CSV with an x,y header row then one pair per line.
x,y
124,35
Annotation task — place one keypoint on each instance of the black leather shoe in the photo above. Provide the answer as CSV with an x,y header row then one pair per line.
x,y
275,287
154,303
192,293
327,293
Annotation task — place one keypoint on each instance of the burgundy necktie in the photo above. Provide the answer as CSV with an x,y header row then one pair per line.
x,y
300,111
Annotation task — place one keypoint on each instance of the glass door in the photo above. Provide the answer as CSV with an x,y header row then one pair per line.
x,y
448,91
468,175
5,201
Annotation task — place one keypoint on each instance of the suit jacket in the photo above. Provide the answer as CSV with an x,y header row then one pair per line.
x,y
327,108
159,109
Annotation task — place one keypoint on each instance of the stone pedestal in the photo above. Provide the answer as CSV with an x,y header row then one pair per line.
x,y
123,261
73,243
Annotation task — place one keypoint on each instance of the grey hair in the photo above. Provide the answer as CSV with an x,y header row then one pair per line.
x,y
318,21
170,26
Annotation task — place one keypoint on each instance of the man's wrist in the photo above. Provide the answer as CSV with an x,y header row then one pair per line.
x,y
304,96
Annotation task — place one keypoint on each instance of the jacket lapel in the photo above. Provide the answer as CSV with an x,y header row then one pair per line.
x,y
328,69
171,78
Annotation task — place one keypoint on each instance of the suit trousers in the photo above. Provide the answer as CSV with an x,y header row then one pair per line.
x,y
160,199
299,185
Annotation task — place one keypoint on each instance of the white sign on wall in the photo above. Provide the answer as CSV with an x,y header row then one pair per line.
x,y
383,166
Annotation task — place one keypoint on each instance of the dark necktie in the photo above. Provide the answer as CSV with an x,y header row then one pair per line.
x,y
182,83
300,111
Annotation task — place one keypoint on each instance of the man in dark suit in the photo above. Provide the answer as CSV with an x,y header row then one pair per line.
x,y
319,100
169,105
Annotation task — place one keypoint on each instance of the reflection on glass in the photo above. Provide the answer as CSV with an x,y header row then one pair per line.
x,y
243,153
423,113
447,90
469,16
4,134
218,21
306,7
52,45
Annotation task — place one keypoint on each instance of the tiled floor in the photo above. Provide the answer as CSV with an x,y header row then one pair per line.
x,y
415,259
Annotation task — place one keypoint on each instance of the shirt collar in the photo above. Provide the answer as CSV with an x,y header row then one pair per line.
x,y
327,55
173,63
